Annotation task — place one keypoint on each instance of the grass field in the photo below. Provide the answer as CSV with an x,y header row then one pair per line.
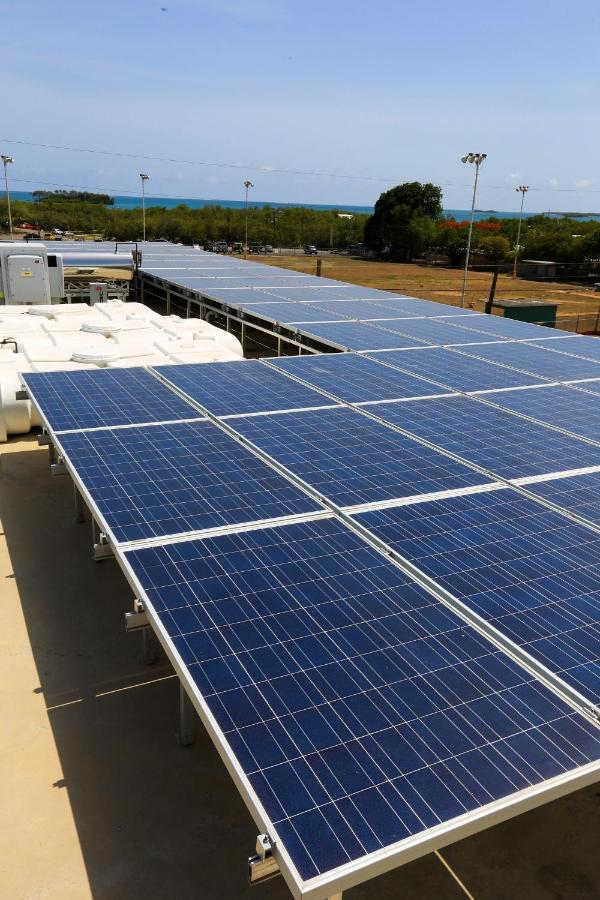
x,y
444,285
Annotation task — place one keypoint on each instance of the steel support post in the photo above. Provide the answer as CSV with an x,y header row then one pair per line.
x,y
168,302
150,646
187,715
188,308
278,346
79,505
243,337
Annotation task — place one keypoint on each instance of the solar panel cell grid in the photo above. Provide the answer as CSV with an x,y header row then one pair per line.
x,y
351,459
523,568
538,359
166,479
578,345
91,398
360,336
492,438
354,378
578,494
563,407
510,328
436,331
360,711
240,387
456,371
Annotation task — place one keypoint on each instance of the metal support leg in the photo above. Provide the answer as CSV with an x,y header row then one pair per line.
x,y
150,647
79,505
102,549
188,308
278,346
168,302
243,338
187,714
51,454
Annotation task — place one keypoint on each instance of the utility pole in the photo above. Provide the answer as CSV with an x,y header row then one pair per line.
x,y
144,179
477,159
523,188
6,160
247,185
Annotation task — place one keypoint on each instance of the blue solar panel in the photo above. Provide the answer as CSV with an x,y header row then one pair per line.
x,y
227,388
567,408
364,310
436,331
538,360
240,296
360,336
165,479
510,328
90,398
578,345
491,438
530,572
307,292
577,494
292,313
352,459
429,308
360,711
590,387
355,378
456,371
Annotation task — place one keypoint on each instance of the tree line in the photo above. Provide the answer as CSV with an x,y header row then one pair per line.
x,y
407,224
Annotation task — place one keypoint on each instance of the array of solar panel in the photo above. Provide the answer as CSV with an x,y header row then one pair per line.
x,y
521,567
577,494
455,370
496,440
164,479
436,331
567,408
360,336
244,387
354,378
91,398
238,297
352,459
512,328
579,345
538,360
292,313
364,310
313,292
360,710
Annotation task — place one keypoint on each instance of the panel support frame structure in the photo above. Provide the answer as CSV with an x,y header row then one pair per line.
x,y
333,882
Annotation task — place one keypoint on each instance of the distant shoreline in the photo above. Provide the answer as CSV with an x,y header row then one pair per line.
x,y
128,202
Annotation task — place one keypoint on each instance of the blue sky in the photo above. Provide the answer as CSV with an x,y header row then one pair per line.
x,y
387,92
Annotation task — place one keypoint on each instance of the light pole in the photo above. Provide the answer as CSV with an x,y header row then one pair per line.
x,y
247,185
6,160
523,188
476,158
144,179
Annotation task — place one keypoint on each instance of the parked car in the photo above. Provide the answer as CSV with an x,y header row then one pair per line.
x,y
310,250
238,247
268,248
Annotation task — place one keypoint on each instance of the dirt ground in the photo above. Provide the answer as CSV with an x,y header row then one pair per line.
x,y
97,798
445,285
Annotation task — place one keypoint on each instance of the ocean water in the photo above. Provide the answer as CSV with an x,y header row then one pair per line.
x,y
122,202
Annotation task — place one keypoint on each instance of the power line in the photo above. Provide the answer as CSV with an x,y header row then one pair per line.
x,y
269,170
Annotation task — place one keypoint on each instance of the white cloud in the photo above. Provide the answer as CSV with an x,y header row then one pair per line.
x,y
583,183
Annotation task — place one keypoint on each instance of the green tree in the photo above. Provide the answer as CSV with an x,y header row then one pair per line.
x,y
495,248
388,228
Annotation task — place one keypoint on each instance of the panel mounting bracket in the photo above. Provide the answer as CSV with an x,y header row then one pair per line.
x,y
102,549
137,619
58,467
43,439
21,394
263,865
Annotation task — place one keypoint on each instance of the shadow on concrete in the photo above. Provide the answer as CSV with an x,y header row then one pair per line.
x,y
156,820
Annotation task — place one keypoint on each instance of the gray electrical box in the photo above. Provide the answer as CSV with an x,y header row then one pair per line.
x,y
98,292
